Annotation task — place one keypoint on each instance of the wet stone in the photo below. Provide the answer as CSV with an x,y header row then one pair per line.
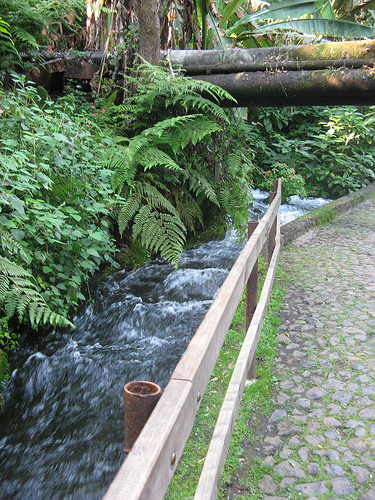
x,y
326,363
286,482
286,452
312,427
357,445
347,456
369,495
334,384
335,470
317,488
277,415
368,390
331,454
331,434
334,409
369,462
353,424
342,486
303,453
342,397
331,422
316,393
367,413
313,469
363,379
290,468
270,461
292,345
273,441
352,387
287,427
359,367
268,485
362,475
361,432
350,411
314,439
317,413
286,384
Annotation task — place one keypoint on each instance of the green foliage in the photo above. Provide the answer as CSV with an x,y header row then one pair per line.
x,y
55,207
35,23
330,147
19,295
168,168
292,183
8,51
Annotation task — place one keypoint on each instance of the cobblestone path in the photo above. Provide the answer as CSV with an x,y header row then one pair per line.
x,y
320,440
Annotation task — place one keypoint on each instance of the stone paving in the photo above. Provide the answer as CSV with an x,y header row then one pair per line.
x,y
319,442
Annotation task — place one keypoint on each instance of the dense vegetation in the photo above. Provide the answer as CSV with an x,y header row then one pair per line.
x,y
83,178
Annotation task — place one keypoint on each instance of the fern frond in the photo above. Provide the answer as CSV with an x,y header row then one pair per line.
x,y
12,246
25,37
128,210
161,233
19,294
188,210
195,102
154,157
200,128
198,184
124,170
152,196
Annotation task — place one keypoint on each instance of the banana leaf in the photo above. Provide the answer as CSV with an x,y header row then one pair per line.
x,y
281,11
326,27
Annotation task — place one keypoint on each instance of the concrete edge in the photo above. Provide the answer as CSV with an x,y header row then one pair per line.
x,y
327,212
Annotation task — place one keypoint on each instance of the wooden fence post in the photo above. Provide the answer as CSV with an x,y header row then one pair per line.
x,y
251,295
272,234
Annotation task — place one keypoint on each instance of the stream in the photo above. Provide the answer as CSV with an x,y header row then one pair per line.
x,y
62,427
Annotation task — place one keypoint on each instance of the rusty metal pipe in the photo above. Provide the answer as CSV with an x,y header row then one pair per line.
x,y
140,398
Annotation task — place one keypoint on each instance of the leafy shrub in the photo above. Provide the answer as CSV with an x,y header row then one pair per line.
x,y
55,207
291,182
330,147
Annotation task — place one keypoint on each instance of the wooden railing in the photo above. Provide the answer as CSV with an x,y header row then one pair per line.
x,y
149,467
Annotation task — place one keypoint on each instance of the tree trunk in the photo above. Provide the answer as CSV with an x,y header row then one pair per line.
x,y
149,30
112,18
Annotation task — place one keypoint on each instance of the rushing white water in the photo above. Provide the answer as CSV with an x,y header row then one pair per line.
x,y
62,429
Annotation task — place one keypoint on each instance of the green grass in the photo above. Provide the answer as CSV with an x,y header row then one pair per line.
x,y
256,402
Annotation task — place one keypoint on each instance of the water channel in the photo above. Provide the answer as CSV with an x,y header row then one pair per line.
x,y
62,428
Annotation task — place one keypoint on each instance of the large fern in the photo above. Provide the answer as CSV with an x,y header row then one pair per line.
x,y
170,128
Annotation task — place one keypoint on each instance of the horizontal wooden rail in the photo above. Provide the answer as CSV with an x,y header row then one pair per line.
x,y
216,455
149,467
